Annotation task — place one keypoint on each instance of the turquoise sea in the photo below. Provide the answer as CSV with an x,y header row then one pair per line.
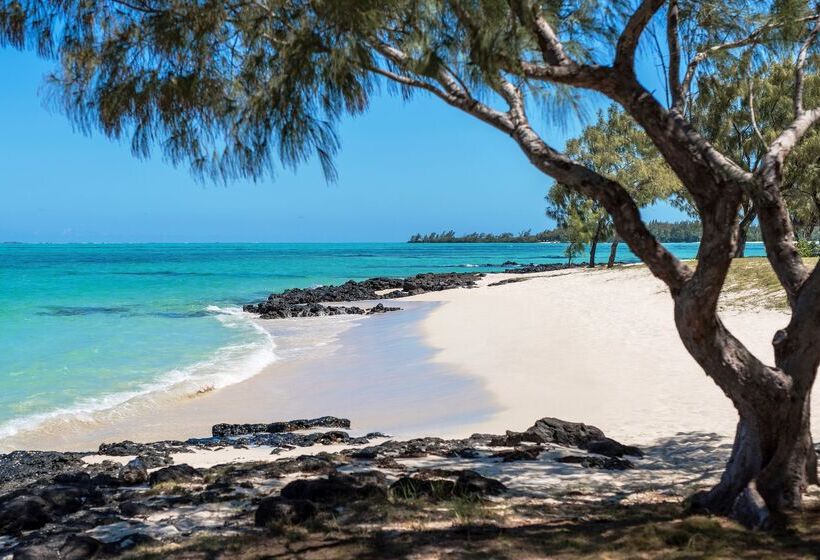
x,y
85,327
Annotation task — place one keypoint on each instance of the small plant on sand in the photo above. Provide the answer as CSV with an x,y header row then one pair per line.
x,y
808,248
468,510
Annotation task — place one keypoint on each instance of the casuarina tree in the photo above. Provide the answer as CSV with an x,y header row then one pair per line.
x,y
231,86
616,148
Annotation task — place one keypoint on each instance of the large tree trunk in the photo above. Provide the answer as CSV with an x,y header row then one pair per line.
x,y
771,464
772,459
613,250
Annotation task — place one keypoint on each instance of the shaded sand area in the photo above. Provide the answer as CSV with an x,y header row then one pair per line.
x,y
598,347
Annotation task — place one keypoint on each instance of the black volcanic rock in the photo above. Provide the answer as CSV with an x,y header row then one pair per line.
x,y
225,430
279,510
18,467
531,268
519,454
309,302
592,462
553,430
24,513
176,473
612,448
133,473
338,488
440,485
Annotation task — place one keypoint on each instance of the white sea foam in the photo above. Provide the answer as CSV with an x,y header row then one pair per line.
x,y
228,365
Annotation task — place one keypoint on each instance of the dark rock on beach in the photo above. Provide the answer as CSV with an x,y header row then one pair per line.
x,y
509,281
277,510
552,430
439,485
19,467
419,447
126,448
309,302
381,308
275,309
532,268
519,454
592,462
612,448
225,430
338,488
133,473
54,505
24,513
175,474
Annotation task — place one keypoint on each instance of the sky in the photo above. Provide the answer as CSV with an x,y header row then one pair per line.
x,y
404,167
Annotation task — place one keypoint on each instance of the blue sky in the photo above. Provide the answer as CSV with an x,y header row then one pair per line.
x,y
404,167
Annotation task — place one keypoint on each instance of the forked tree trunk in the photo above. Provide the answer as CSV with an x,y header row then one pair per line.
x,y
771,464
613,250
773,459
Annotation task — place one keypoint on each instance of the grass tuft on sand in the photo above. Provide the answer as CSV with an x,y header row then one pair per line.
x,y
752,283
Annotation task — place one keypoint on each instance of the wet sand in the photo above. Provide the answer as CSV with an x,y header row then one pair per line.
x,y
377,371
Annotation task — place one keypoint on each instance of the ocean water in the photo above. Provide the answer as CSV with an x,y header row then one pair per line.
x,y
86,327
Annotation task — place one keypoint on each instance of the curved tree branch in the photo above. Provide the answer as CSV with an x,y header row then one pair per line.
x,y
701,56
799,67
775,222
551,48
631,35
674,52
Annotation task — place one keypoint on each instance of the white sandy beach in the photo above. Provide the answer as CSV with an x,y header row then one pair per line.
x,y
597,346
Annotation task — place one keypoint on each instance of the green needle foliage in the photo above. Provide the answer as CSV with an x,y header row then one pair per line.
x,y
617,148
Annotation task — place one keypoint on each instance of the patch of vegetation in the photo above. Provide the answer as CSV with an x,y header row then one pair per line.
x,y
169,489
752,283
533,529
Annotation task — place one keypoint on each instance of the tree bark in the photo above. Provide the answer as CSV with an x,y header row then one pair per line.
x,y
771,464
613,250
593,246
742,236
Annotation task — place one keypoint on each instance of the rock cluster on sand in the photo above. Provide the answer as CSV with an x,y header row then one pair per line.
x,y
226,430
310,302
54,505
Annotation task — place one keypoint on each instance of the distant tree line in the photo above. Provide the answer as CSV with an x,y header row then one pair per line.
x,y
526,236
666,232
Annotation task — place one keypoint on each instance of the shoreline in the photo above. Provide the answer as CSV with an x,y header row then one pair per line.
x,y
461,361
375,370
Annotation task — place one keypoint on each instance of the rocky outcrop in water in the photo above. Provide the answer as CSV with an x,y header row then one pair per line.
x,y
310,302
532,268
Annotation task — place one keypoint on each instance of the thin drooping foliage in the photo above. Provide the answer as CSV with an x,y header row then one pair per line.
x,y
231,86
615,147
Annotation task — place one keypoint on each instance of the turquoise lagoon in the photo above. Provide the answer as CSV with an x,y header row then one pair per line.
x,y
85,327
